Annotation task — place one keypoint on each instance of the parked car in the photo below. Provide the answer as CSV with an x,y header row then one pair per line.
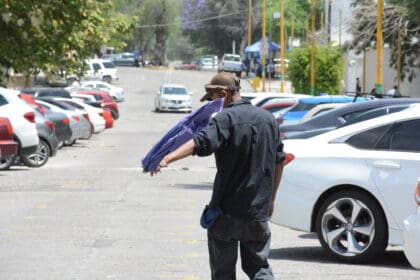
x,y
97,69
295,113
351,185
95,115
319,110
186,65
22,117
8,147
62,126
123,59
116,92
48,143
338,117
412,232
208,62
103,99
173,98
231,63
44,92
81,128
263,98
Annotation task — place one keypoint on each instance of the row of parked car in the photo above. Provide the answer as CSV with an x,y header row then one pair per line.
x,y
36,122
350,172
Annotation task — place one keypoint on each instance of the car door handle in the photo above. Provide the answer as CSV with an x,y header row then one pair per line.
x,y
386,164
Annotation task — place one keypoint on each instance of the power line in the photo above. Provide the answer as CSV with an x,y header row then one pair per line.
x,y
193,21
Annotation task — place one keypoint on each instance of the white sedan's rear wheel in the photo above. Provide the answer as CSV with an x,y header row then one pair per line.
x,y
352,227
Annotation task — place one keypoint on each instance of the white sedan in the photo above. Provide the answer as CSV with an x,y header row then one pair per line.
x,y
173,98
116,92
351,185
412,233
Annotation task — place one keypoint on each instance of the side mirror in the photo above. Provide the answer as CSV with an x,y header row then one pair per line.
x,y
190,93
158,92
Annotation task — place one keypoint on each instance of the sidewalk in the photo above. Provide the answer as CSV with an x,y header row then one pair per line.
x,y
271,85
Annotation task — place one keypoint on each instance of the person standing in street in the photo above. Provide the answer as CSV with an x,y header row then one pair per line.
x,y
249,159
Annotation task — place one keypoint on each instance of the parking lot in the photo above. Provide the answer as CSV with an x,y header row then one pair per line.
x,y
91,213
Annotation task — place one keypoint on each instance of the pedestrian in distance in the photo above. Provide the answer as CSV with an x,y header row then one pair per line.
x,y
392,92
249,159
358,90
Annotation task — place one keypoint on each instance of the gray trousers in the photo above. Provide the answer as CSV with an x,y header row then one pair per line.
x,y
253,239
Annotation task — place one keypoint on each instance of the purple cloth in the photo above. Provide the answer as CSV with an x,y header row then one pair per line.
x,y
181,133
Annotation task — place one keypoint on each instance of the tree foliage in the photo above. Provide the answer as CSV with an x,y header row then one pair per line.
x,y
329,69
397,15
54,35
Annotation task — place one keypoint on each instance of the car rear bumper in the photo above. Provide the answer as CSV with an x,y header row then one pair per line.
x,y
8,148
28,150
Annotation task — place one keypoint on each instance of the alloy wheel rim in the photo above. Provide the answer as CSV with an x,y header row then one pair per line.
x,y
40,156
348,227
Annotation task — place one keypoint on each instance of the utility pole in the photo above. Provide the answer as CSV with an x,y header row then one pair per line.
x,y
313,49
329,21
282,46
378,85
322,29
340,18
249,21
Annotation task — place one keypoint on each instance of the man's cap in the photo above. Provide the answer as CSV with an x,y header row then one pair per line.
x,y
222,80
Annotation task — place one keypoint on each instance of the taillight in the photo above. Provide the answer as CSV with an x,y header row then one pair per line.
x,y
289,158
86,116
66,121
6,128
30,116
417,194
50,125
41,109
76,118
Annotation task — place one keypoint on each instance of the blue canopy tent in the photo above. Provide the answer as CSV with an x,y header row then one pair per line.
x,y
255,48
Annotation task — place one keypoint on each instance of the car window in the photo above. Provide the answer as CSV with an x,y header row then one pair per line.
x,y
108,65
96,66
352,115
406,136
174,90
101,86
368,139
302,107
232,58
3,100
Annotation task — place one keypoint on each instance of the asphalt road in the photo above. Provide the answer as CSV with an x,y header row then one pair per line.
x,y
91,213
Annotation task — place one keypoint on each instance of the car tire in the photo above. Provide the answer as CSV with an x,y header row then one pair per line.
x,y
69,142
107,79
40,157
352,215
7,162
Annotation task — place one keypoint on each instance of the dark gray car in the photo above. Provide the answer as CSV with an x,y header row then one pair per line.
x,y
337,117
48,142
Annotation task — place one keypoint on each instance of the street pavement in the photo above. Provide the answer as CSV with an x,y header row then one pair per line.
x,y
90,213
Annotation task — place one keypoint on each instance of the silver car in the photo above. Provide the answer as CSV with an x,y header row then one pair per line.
x,y
173,98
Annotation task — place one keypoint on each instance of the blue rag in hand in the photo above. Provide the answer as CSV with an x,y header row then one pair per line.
x,y
209,216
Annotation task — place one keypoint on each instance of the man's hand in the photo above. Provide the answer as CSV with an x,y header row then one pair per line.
x,y
270,213
163,163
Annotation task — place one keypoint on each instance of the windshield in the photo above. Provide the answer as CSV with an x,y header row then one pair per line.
x,y
174,90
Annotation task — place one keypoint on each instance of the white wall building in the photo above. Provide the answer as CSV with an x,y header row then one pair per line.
x,y
354,62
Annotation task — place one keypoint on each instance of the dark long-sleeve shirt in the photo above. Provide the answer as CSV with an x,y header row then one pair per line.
x,y
245,141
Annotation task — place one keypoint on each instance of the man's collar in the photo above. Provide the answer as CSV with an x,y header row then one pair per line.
x,y
239,102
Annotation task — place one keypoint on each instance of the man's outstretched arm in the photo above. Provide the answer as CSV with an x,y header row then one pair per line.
x,y
185,150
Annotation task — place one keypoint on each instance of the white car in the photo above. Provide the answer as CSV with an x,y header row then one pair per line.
x,y
351,185
260,99
95,114
22,118
173,98
412,232
97,69
116,92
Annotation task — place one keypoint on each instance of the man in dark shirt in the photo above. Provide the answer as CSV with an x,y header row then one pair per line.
x,y
249,160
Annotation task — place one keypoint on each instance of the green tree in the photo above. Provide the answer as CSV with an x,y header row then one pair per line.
x,y
329,69
157,19
397,15
51,35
